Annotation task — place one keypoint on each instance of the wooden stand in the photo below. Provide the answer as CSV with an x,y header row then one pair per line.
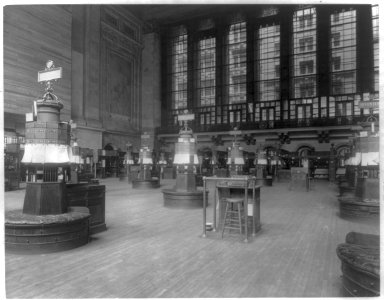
x,y
365,202
45,198
228,187
46,233
91,196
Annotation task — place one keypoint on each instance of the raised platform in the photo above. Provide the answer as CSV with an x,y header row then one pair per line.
x,y
45,233
145,184
360,264
354,207
185,199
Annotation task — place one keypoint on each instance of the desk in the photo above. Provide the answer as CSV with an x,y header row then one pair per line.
x,y
226,186
299,176
91,196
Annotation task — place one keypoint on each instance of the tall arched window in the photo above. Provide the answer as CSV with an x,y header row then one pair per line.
x,y
178,72
375,26
236,68
268,63
343,52
342,155
206,71
304,83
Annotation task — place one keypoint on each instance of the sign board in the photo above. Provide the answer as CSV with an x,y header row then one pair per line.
x,y
363,133
145,136
29,117
368,104
186,117
51,74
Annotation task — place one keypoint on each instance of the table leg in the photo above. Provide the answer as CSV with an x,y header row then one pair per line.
x,y
257,208
214,209
204,210
253,213
246,212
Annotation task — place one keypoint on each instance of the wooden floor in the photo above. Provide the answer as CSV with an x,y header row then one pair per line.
x,y
153,251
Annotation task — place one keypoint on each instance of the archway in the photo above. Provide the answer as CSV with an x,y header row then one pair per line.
x,y
109,146
304,155
110,161
342,152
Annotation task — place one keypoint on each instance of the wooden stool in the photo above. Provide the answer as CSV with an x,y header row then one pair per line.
x,y
232,215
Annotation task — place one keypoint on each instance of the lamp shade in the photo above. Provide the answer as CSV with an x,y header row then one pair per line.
x,y
262,161
356,160
185,150
145,156
74,154
235,155
369,151
46,154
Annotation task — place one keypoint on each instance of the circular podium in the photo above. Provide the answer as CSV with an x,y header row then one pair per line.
x,y
145,183
45,233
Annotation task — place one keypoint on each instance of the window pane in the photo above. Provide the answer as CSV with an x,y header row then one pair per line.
x,y
237,63
375,27
304,61
343,52
207,71
179,75
268,63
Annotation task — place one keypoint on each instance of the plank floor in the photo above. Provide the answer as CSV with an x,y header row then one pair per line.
x,y
151,251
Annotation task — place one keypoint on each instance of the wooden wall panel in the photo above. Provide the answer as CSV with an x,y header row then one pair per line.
x,y
32,35
121,57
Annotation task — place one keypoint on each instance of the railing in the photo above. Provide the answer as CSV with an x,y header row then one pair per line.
x,y
226,117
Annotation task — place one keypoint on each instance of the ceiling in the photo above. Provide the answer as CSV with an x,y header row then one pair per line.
x,y
163,14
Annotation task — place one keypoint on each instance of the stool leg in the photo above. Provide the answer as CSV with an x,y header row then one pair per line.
x,y
225,219
239,214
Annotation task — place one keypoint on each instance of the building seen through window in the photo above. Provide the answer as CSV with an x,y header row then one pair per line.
x,y
179,73
343,52
268,63
244,69
236,68
375,27
207,71
304,54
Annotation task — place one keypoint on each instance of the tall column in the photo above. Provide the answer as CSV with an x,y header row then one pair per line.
x,y
150,89
85,75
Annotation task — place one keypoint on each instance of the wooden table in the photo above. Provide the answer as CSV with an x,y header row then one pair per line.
x,y
225,185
